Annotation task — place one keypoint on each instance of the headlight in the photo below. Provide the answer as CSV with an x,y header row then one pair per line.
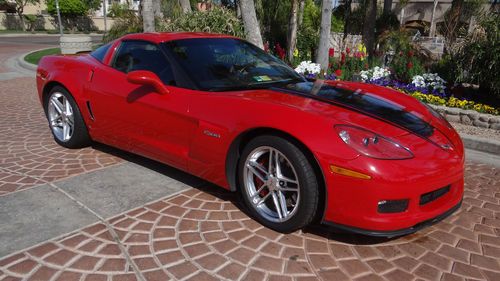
x,y
370,144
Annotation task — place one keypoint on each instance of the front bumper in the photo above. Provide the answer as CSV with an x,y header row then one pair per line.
x,y
399,232
352,203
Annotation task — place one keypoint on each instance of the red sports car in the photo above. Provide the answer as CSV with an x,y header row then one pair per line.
x,y
359,157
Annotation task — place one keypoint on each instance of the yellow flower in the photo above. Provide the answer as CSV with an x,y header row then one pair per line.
x,y
296,52
362,48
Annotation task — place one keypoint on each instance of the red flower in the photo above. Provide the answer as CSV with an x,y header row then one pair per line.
x,y
410,53
400,53
329,65
338,72
266,47
347,50
280,51
409,65
331,52
342,58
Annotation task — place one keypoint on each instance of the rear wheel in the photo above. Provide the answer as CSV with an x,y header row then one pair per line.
x,y
65,120
278,184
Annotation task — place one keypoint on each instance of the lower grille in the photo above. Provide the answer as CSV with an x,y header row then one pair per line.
x,y
433,195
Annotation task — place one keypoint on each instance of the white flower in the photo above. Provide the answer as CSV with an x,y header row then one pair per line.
x,y
374,73
429,80
308,67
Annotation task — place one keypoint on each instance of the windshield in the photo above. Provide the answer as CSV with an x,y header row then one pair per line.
x,y
224,64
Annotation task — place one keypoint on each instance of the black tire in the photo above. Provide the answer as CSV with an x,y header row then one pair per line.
x,y
309,187
80,137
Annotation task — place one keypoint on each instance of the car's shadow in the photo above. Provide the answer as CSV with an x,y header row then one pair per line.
x,y
315,228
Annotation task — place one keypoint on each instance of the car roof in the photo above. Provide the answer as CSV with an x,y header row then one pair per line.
x,y
159,37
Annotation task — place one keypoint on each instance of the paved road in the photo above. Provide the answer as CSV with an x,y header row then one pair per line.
x,y
101,214
37,39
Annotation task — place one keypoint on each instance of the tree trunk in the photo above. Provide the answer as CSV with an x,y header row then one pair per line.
x,y
292,29
324,34
250,22
185,5
432,32
454,20
347,16
301,11
148,16
369,25
157,9
387,6
20,11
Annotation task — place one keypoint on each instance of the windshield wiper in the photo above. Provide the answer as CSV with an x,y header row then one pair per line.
x,y
265,85
237,88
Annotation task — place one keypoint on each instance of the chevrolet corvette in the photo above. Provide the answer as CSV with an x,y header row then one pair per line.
x,y
355,156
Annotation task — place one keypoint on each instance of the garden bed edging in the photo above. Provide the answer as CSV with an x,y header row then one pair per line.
x,y
469,117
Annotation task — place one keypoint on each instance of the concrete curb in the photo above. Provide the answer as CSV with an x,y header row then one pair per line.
x,y
42,34
24,64
481,144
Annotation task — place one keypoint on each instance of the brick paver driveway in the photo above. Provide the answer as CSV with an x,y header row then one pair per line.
x,y
202,234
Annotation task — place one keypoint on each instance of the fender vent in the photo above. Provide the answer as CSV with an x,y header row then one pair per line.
x,y
90,111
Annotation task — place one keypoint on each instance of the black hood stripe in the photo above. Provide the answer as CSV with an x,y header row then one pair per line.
x,y
360,102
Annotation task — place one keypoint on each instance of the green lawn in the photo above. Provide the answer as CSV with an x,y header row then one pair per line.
x,y
35,57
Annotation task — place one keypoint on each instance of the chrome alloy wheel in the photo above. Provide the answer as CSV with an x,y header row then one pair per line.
x,y
271,184
61,118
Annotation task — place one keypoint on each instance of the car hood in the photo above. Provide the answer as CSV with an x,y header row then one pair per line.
x,y
377,102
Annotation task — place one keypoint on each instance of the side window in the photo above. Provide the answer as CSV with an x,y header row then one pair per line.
x,y
100,52
141,55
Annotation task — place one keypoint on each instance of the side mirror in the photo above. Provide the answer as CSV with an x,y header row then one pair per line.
x,y
144,77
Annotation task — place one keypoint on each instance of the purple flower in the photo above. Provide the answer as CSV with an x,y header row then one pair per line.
x,y
330,77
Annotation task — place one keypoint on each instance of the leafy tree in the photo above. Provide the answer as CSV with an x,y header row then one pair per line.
x,y
20,4
72,10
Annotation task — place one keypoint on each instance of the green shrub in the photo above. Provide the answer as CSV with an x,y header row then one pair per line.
x,y
479,58
129,22
407,59
216,20
447,68
118,10
308,33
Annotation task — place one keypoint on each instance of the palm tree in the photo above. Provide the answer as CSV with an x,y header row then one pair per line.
x,y
157,9
148,16
250,22
292,29
324,33
387,6
369,25
432,32
185,5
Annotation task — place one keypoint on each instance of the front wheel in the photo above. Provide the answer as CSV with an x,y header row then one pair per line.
x,y
278,184
65,119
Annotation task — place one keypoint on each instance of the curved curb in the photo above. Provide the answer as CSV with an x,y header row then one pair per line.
x,y
26,65
481,144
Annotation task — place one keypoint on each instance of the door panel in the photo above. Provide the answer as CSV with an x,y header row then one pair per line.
x,y
138,119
